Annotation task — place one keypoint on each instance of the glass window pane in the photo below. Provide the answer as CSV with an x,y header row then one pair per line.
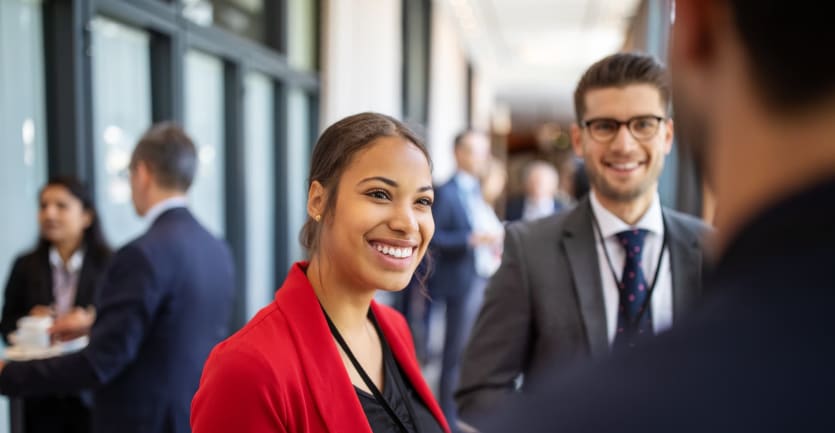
x,y
204,123
22,134
299,145
242,17
301,33
260,191
121,113
22,130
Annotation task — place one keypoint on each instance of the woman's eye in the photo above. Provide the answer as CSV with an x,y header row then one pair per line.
x,y
378,194
425,201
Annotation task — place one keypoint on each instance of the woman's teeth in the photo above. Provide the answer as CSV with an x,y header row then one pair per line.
x,y
394,252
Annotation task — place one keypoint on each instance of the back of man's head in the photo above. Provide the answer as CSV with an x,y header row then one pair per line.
x,y
786,44
169,155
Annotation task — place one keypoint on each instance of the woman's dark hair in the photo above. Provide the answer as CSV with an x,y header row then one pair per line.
x,y
335,150
94,241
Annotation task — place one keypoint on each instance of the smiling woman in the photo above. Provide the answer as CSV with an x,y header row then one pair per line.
x,y
324,356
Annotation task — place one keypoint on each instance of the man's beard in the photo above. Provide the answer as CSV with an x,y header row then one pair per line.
x,y
603,187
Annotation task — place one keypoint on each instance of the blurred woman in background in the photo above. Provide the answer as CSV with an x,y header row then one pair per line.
x,y
59,279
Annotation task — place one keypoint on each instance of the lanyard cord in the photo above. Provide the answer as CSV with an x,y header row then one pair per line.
x,y
365,378
644,307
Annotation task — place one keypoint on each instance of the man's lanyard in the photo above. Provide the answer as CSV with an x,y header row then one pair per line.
x,y
644,307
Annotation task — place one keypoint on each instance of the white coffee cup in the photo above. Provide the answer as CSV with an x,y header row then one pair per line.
x,y
33,332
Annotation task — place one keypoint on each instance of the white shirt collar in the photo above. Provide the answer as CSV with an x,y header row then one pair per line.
x,y
73,265
610,224
169,203
465,181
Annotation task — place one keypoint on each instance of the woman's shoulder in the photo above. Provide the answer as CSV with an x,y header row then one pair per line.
x,y
31,258
260,354
267,329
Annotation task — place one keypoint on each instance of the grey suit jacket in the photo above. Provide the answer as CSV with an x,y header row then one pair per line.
x,y
543,309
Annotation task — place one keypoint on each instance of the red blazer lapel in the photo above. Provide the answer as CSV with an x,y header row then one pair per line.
x,y
397,334
334,396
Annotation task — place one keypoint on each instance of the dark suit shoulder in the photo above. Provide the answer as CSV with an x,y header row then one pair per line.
x,y
695,227
37,257
545,229
446,188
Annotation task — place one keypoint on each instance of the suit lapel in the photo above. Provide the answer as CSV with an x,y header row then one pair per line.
x,y
333,393
685,266
86,282
44,287
457,198
580,248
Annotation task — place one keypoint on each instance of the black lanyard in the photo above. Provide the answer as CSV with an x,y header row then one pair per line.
x,y
645,306
365,378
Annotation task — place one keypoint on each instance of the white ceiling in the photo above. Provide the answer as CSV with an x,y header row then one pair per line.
x,y
534,51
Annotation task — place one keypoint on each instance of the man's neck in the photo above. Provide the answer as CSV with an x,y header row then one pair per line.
x,y
160,195
629,212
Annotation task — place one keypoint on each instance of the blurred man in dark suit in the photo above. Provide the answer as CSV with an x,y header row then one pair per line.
x,y
758,108
467,232
540,199
164,303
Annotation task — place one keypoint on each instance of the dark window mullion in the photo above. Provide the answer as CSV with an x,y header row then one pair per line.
x,y
235,186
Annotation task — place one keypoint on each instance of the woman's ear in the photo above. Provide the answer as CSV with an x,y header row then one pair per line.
x,y
88,219
316,199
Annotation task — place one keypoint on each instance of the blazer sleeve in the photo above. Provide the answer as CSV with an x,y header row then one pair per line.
x,y
129,299
237,393
14,299
499,346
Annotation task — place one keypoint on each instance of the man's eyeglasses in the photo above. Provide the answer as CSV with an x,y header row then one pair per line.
x,y
642,128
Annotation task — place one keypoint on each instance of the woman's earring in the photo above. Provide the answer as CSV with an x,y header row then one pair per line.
x,y
318,218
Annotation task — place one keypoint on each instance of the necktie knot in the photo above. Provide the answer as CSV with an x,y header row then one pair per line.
x,y
632,242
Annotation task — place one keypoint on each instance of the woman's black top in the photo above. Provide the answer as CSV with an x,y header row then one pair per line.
x,y
401,397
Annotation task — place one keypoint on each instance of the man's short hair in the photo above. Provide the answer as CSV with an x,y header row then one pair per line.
x,y
786,48
169,154
620,70
459,138
538,164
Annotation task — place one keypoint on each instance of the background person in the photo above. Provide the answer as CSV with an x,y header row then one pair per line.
x,y
60,277
164,303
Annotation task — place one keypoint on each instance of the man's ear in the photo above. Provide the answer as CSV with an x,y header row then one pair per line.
x,y
695,35
316,200
141,172
669,132
577,139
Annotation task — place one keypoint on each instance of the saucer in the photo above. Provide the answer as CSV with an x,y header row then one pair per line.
x,y
20,353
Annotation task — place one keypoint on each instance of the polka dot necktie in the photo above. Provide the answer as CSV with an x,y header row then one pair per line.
x,y
634,291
